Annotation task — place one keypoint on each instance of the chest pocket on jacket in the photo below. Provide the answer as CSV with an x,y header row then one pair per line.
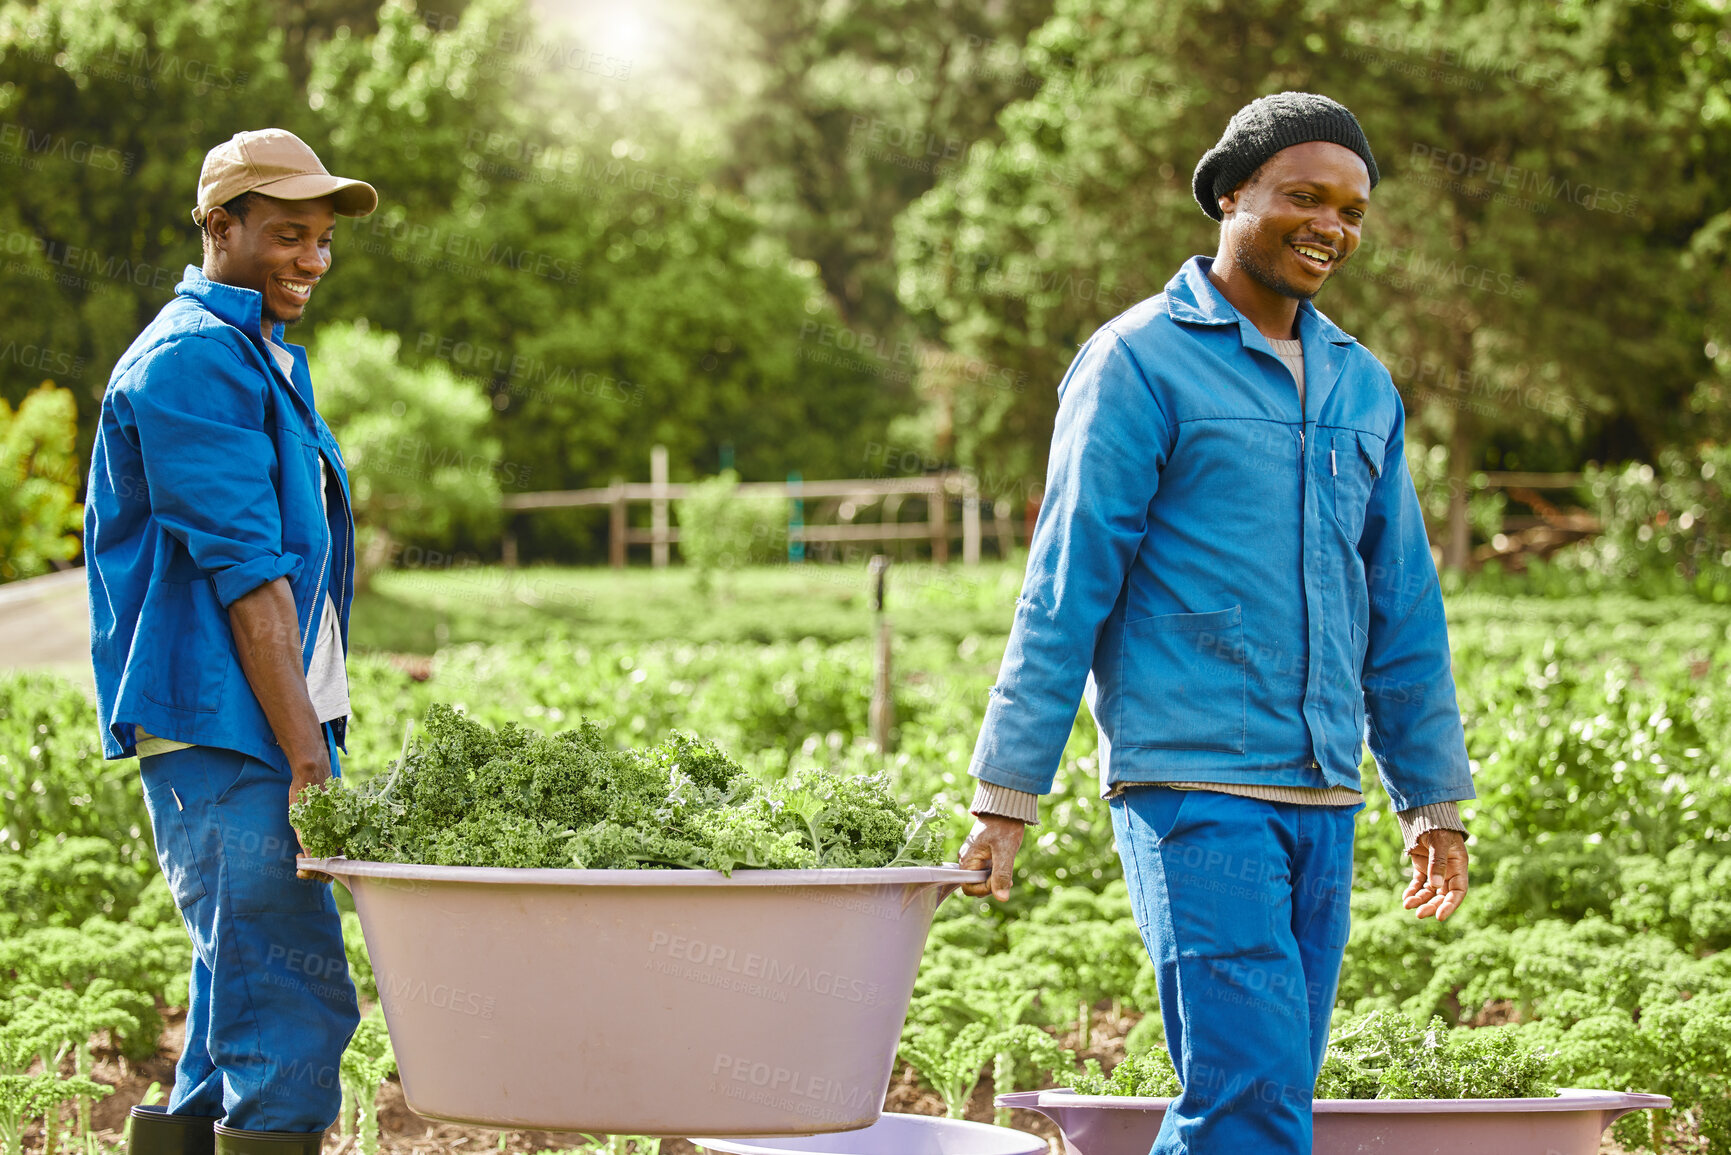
x,y
1356,463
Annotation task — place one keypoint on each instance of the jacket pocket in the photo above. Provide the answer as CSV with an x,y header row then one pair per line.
x,y
189,650
1356,463
1184,682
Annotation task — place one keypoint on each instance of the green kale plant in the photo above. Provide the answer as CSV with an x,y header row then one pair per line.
x,y
1380,1055
1385,1055
1149,1073
366,1064
952,1062
462,794
26,1097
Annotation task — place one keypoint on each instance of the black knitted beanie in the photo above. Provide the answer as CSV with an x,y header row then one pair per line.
x,y
1264,127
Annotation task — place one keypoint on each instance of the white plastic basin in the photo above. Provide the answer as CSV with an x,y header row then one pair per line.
x,y
893,1134
645,1002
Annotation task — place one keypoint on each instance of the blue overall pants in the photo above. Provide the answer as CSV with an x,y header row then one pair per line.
x,y
271,1007
1244,907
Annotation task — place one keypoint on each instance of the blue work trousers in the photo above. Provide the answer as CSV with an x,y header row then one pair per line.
x,y
271,1006
1244,907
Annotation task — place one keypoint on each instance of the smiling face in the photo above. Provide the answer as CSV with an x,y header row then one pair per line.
x,y
280,250
1297,219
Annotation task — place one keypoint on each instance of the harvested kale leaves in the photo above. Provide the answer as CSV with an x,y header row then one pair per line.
x,y
465,795
1379,1055
1385,1055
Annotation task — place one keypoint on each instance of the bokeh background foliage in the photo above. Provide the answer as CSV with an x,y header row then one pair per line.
x,y
783,235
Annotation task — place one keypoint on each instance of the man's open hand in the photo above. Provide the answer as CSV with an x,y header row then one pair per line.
x,y
1439,874
992,845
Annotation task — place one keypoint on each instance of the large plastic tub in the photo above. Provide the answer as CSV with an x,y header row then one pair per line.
x,y
645,1002
1568,1124
893,1134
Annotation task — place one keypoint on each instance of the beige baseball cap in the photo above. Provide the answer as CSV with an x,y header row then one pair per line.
x,y
277,164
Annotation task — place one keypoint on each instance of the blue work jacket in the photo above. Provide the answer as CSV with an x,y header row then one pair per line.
x,y
204,485
1242,592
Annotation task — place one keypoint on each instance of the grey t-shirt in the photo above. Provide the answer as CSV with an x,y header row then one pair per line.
x,y
1292,352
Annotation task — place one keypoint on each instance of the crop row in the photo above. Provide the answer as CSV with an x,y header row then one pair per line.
x,y
1601,843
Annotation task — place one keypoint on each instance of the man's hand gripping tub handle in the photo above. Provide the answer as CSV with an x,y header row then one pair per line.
x,y
992,845
268,638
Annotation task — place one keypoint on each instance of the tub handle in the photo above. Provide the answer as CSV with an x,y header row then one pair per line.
x,y
1027,1100
1633,1101
945,889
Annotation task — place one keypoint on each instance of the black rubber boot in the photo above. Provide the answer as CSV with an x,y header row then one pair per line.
x,y
156,1132
233,1141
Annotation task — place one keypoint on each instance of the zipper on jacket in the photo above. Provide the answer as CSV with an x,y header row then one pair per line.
x,y
349,524
317,610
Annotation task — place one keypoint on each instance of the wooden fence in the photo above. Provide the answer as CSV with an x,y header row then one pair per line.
x,y
843,500
840,503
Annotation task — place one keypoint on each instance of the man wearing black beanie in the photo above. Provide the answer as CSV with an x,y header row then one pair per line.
x,y
1230,565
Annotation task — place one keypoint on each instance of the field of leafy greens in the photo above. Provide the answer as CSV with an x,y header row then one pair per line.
x,y
1593,939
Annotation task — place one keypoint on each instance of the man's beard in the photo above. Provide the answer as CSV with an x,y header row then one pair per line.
x,y
1252,260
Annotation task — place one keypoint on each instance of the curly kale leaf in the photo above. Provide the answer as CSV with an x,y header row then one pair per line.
x,y
1385,1055
464,795
1149,1073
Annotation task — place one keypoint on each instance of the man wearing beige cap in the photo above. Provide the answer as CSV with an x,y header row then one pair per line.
x,y
220,559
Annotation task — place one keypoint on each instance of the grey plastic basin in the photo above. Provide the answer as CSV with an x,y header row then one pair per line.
x,y
1568,1124
894,1134
645,1002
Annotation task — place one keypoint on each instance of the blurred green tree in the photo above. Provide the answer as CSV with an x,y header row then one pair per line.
x,y
1529,167
40,518
423,470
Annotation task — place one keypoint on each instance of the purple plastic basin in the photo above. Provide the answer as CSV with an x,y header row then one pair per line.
x,y
1568,1124
894,1134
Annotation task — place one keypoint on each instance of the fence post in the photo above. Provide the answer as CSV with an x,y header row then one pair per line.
x,y
658,551
970,520
883,710
616,525
795,517
1001,523
937,521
